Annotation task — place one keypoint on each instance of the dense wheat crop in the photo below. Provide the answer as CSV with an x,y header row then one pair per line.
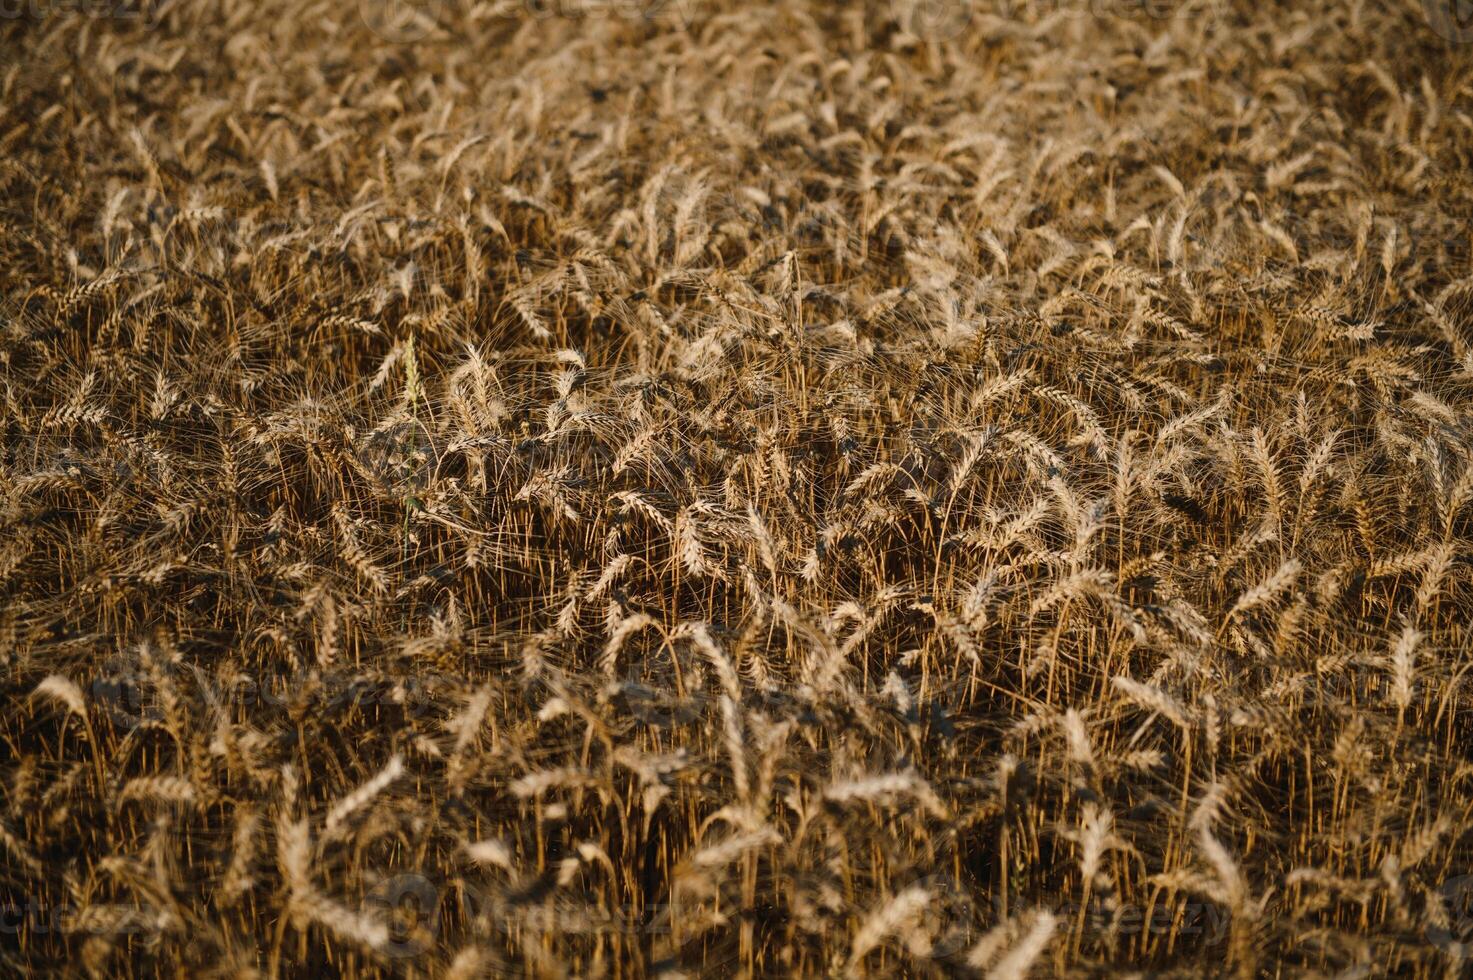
x,y
515,489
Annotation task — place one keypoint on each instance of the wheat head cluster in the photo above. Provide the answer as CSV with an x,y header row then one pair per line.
x,y
736,490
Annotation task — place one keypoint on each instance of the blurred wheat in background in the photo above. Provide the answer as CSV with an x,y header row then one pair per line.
x,y
620,490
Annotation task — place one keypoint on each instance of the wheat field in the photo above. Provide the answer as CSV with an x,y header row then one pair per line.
x,y
595,488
